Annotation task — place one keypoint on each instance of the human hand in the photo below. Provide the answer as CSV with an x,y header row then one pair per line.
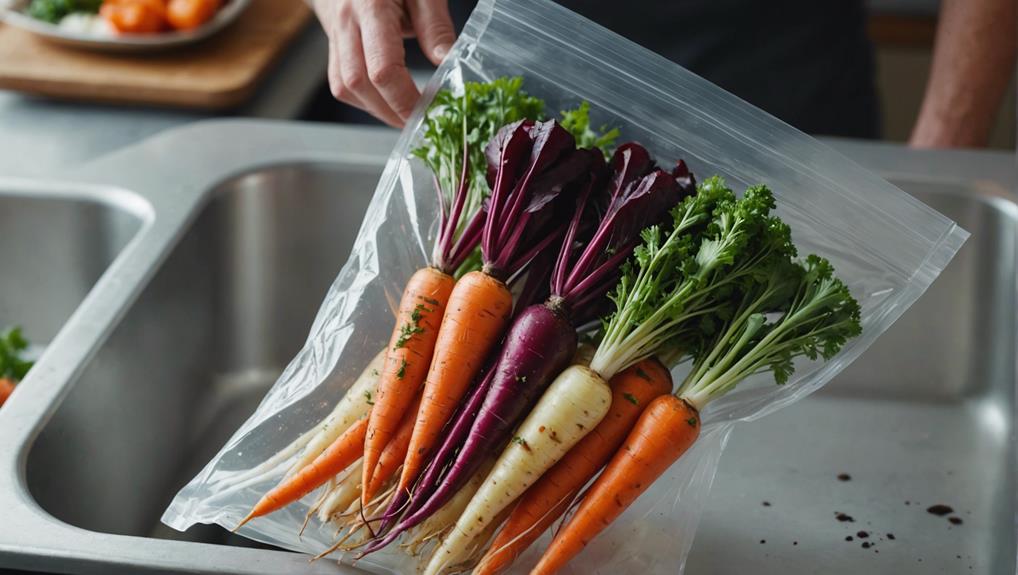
x,y
367,63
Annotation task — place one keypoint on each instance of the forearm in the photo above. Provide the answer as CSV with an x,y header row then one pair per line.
x,y
973,60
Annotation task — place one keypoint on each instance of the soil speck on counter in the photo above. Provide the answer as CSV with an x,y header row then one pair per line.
x,y
862,535
849,538
844,477
866,544
955,520
844,517
762,541
766,503
939,510
890,536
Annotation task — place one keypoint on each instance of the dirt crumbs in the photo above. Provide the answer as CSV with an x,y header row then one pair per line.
x,y
941,510
862,535
766,503
844,517
844,477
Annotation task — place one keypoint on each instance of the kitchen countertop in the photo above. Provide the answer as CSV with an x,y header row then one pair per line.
x,y
40,136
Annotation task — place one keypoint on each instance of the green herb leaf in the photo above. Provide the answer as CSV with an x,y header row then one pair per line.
x,y
408,330
12,364
577,123
53,11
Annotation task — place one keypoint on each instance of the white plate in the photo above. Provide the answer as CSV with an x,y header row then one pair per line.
x,y
14,16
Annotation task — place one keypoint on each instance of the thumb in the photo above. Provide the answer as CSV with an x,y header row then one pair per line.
x,y
433,27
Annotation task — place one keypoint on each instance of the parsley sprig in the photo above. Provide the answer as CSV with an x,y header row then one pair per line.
x,y
12,346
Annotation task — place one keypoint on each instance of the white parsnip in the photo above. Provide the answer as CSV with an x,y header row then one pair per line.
x,y
354,405
343,494
571,406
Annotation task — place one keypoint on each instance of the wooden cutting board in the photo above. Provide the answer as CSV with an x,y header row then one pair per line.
x,y
220,72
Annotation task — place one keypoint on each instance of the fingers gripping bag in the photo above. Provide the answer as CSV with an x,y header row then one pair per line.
x,y
885,246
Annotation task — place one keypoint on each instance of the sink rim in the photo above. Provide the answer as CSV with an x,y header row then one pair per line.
x,y
166,199
169,198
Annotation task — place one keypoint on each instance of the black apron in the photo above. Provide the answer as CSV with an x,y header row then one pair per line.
x,y
808,62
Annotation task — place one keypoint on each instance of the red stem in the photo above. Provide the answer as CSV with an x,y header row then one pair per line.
x,y
562,263
460,199
604,270
467,241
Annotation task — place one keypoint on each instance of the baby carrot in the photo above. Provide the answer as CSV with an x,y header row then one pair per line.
x,y
395,451
6,389
406,361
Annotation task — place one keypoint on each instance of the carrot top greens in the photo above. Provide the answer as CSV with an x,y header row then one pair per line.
x,y
708,285
818,315
577,123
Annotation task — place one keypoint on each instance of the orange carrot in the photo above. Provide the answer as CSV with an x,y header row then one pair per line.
x,y
395,451
546,500
407,360
190,14
665,430
341,454
478,313
6,389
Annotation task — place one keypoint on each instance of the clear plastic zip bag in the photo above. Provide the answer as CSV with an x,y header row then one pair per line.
x,y
886,246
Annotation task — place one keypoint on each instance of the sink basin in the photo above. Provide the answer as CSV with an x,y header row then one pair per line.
x,y
56,243
228,279
227,310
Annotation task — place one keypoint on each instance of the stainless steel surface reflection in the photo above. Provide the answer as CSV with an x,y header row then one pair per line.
x,y
57,239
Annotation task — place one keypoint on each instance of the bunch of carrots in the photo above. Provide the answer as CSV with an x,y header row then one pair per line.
x,y
551,238
151,16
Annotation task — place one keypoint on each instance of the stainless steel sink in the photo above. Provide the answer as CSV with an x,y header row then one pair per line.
x,y
189,327
57,241
214,327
